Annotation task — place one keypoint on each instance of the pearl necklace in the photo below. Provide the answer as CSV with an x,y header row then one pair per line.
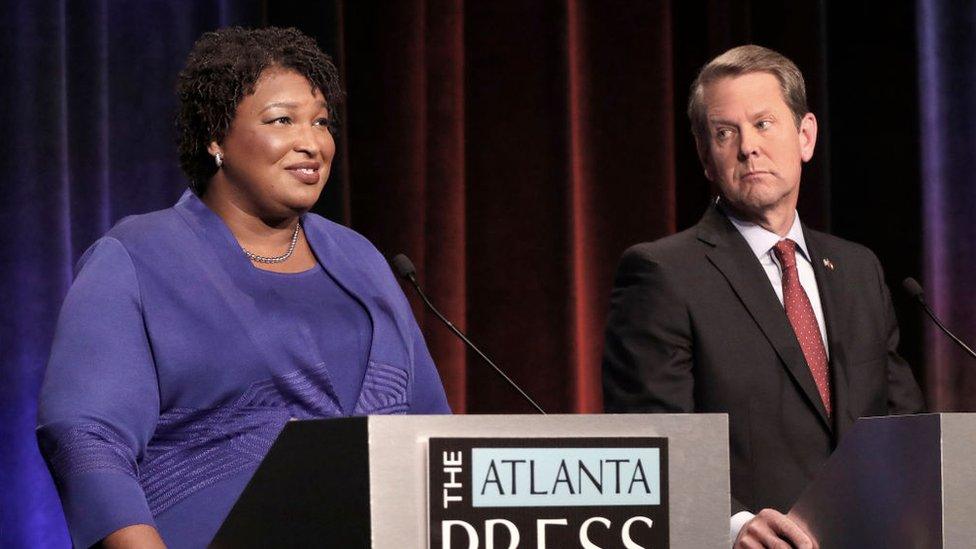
x,y
278,258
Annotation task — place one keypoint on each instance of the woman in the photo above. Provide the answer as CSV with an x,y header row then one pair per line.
x,y
192,334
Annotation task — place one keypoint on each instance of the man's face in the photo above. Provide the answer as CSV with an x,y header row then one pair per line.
x,y
754,150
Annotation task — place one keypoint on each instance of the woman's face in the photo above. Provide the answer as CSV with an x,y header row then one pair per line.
x,y
278,149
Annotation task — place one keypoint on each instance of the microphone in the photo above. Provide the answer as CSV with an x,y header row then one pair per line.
x,y
915,290
404,267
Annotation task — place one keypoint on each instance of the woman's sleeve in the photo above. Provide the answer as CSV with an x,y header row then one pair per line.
x,y
100,399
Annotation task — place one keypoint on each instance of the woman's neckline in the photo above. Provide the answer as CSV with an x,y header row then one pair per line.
x,y
276,274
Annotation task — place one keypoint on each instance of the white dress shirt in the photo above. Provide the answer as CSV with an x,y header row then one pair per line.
x,y
761,242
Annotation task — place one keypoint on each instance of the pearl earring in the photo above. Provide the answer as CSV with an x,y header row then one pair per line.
x,y
219,159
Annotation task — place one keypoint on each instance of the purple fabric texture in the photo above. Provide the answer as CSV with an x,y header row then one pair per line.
x,y
91,447
947,75
176,363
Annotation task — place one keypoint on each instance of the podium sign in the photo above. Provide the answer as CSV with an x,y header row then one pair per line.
x,y
558,481
550,492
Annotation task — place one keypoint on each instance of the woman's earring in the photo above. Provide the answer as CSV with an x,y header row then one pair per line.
x,y
219,159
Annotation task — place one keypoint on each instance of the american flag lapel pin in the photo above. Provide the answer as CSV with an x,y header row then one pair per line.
x,y
827,263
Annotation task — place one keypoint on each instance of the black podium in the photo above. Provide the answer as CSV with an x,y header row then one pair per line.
x,y
897,482
490,481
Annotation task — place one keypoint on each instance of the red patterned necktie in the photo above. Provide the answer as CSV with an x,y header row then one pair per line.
x,y
804,322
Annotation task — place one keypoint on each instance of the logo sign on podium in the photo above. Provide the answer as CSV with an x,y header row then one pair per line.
x,y
590,493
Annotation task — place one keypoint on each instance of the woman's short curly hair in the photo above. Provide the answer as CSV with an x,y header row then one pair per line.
x,y
222,69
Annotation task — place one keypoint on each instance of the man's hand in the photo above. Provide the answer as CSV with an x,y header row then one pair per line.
x,y
773,529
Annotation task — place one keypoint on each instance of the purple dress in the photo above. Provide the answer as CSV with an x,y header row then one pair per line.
x,y
176,363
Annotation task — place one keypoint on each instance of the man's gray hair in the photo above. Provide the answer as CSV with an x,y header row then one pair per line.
x,y
745,60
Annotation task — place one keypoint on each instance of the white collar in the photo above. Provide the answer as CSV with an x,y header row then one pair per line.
x,y
761,240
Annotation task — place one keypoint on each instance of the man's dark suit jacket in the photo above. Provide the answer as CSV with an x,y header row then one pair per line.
x,y
695,326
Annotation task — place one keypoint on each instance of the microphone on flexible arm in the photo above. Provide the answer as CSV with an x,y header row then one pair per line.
x,y
915,290
404,267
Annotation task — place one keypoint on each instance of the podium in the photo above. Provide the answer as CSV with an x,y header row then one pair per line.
x,y
490,481
897,482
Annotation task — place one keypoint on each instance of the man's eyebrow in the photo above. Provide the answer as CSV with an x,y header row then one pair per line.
x,y
713,119
761,113
717,119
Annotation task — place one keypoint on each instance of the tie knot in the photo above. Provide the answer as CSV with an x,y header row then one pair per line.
x,y
785,251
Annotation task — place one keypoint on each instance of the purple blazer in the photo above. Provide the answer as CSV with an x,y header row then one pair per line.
x,y
174,368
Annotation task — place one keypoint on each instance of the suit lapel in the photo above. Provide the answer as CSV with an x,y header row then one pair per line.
x,y
731,255
833,300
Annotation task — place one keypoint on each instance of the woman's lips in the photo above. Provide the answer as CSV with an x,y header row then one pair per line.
x,y
305,175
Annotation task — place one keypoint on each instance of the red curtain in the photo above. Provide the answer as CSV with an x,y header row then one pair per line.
x,y
512,150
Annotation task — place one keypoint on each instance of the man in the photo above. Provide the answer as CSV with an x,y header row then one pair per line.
x,y
790,331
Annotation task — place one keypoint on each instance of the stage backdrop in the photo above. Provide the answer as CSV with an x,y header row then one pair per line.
x,y
512,148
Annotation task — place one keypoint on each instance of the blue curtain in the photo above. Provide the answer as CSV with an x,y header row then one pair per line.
x,y
947,90
88,106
